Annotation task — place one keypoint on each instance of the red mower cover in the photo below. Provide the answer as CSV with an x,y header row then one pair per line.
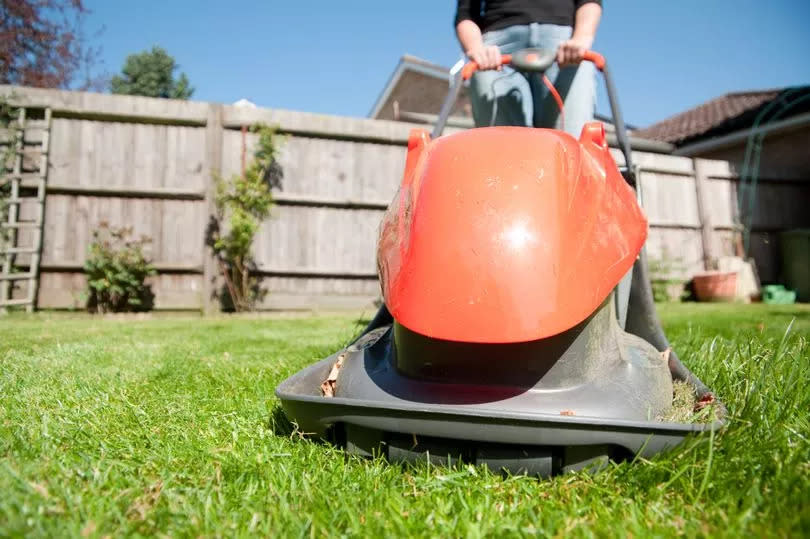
x,y
506,234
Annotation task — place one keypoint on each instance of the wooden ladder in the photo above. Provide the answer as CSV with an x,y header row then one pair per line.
x,y
25,188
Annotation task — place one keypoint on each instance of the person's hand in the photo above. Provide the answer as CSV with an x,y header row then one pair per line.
x,y
572,51
486,56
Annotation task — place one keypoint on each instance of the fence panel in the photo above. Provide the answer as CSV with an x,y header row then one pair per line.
x,y
147,163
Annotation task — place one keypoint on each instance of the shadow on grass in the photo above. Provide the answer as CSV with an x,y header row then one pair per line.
x,y
280,424
789,314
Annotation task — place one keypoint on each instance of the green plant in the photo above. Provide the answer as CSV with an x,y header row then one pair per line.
x,y
116,269
664,278
242,203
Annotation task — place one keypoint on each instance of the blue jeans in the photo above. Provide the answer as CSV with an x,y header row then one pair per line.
x,y
521,98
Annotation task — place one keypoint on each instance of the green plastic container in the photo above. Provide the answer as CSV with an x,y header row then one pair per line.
x,y
795,249
776,294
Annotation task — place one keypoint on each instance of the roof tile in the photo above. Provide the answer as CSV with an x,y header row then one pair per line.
x,y
710,115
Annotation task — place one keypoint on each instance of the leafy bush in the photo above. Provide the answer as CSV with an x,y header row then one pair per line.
x,y
242,203
665,285
117,269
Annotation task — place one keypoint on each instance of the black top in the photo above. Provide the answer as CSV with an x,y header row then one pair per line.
x,y
495,14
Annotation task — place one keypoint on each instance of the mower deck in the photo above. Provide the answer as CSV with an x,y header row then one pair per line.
x,y
379,411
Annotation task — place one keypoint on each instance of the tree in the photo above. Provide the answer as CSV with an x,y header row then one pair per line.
x,y
42,44
151,73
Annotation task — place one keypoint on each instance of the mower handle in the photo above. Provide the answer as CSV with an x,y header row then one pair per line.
x,y
533,60
538,61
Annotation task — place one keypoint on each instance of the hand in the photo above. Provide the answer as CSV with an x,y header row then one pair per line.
x,y
486,56
572,51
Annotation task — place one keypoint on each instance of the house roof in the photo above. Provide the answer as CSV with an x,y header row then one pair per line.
x,y
415,60
416,81
730,112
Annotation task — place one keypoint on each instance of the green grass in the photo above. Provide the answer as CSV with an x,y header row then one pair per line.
x,y
169,426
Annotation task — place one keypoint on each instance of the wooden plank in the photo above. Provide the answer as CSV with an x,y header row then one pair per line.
x,y
701,196
669,199
677,226
14,302
67,290
167,193
127,117
315,273
23,276
108,107
174,227
721,201
321,125
114,155
61,291
32,134
213,167
294,199
328,168
26,178
329,240
161,267
293,293
314,302
675,253
726,170
28,150
718,169
656,162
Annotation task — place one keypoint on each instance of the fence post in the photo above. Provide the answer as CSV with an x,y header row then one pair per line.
x,y
213,161
704,215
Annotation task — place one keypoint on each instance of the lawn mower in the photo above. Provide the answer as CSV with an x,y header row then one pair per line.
x,y
518,328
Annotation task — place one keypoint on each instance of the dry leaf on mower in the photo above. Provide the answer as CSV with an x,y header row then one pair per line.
x,y
328,385
665,354
568,412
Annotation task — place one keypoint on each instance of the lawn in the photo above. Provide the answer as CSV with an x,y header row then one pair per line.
x,y
169,426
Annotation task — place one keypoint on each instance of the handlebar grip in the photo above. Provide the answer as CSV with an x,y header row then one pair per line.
x,y
471,67
594,57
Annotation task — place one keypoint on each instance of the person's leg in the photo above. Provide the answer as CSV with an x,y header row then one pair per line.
x,y
502,97
576,85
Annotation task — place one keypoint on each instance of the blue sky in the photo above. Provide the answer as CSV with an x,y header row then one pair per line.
x,y
335,57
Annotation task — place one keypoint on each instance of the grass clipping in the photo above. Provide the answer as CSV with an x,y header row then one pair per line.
x,y
687,408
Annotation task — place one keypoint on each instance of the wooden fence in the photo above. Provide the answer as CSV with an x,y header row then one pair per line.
x,y
148,163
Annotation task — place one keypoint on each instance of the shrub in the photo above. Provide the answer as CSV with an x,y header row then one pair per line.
x,y
242,203
116,270
665,285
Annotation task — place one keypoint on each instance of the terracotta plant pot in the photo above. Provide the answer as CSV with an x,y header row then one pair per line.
x,y
716,286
